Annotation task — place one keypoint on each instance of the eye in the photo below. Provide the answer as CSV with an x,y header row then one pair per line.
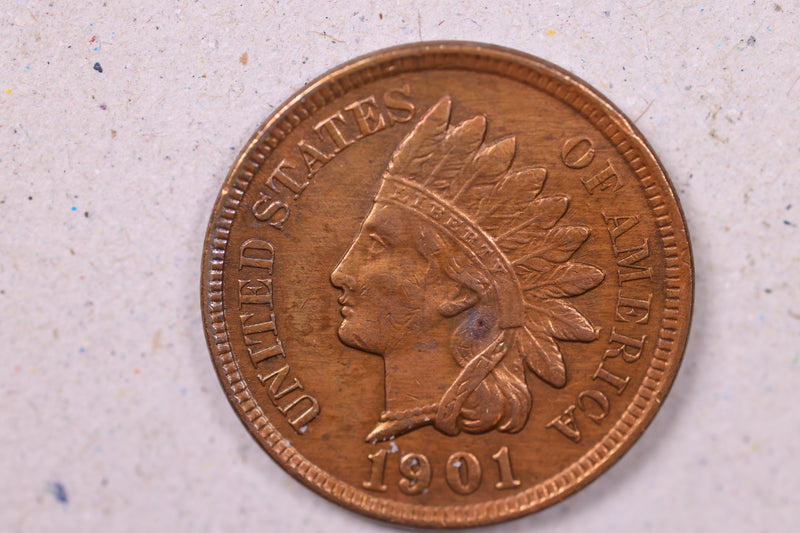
x,y
375,244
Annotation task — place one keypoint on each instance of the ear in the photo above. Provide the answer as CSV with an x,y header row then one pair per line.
x,y
462,300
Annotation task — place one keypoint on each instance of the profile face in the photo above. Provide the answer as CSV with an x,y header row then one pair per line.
x,y
388,285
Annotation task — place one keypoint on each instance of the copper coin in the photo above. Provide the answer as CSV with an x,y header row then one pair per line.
x,y
446,284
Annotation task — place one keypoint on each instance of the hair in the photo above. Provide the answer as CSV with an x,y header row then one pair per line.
x,y
503,400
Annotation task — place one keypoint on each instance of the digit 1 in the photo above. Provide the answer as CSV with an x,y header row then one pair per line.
x,y
376,474
507,480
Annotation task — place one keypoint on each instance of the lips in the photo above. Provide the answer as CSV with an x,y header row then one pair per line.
x,y
346,309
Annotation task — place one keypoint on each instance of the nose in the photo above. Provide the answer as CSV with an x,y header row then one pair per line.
x,y
340,278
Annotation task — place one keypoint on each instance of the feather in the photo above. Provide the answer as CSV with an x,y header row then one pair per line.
x,y
477,179
548,210
559,243
531,269
545,213
517,242
560,320
511,200
570,279
543,356
458,149
421,145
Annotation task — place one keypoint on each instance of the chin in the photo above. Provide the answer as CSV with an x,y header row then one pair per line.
x,y
352,339
347,336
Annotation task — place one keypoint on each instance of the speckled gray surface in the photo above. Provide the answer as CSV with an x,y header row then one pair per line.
x,y
117,127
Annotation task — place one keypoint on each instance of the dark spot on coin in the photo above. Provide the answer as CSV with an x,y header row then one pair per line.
x,y
477,325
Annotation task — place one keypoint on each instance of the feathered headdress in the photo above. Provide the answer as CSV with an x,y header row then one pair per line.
x,y
466,186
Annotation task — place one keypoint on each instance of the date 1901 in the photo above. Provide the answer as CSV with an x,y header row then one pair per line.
x,y
462,471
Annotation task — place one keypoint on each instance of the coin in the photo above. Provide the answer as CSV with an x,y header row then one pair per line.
x,y
446,284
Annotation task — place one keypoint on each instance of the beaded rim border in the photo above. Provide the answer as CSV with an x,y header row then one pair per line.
x,y
539,75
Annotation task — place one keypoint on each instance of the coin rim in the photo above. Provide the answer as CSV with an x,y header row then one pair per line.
x,y
610,122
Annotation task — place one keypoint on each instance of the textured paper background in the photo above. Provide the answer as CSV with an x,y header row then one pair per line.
x,y
111,417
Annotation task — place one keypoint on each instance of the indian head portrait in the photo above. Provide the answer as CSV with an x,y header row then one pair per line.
x,y
459,278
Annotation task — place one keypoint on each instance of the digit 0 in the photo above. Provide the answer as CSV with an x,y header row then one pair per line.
x,y
463,472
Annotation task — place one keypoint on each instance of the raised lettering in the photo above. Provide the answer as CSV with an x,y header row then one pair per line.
x,y
566,424
285,179
631,309
577,152
597,397
365,111
257,293
629,258
252,329
437,212
262,254
624,343
305,416
262,354
605,179
274,390
313,156
266,209
469,236
397,100
329,125
610,378
616,226
416,199
453,223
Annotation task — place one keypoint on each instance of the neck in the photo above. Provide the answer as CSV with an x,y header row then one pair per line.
x,y
422,389
417,377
